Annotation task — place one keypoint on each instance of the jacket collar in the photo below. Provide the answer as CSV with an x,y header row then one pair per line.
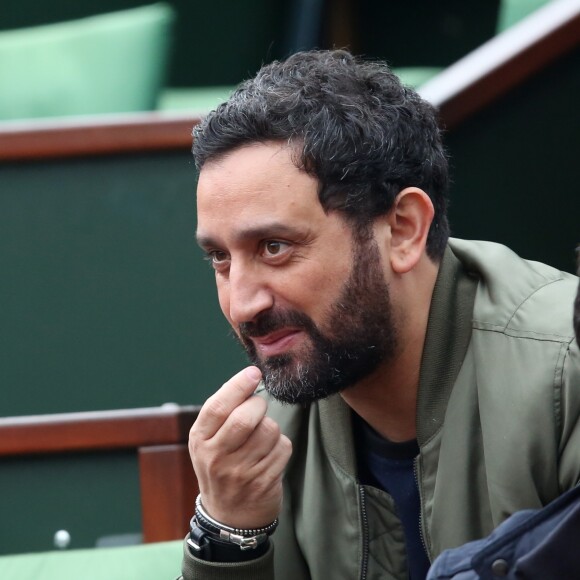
x,y
448,335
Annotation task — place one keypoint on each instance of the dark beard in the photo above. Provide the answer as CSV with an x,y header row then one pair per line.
x,y
360,335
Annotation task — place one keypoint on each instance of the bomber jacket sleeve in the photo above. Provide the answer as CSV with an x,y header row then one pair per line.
x,y
259,569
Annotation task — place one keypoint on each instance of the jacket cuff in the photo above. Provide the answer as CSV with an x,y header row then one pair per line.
x,y
261,568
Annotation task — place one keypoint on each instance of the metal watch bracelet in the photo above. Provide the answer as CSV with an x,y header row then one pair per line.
x,y
246,539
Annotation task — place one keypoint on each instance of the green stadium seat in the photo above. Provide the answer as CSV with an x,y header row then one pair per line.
x,y
415,76
144,562
110,63
512,11
198,99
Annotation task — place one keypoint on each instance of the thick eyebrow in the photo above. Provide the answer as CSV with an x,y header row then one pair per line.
x,y
272,230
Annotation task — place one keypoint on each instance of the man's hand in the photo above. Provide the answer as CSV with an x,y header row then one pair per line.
x,y
239,455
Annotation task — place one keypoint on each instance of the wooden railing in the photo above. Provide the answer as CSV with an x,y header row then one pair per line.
x,y
95,135
159,437
504,62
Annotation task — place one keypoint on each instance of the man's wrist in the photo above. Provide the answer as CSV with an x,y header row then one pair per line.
x,y
213,541
206,546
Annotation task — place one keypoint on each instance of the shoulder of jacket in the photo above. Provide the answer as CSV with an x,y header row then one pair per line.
x,y
517,296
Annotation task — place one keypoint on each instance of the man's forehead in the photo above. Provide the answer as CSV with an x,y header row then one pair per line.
x,y
259,180
254,231
257,193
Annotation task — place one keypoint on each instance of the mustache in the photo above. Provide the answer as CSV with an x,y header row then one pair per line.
x,y
273,320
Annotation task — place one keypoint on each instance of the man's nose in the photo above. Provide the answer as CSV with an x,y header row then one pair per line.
x,y
249,294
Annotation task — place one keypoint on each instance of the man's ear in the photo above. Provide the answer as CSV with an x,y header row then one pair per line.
x,y
409,220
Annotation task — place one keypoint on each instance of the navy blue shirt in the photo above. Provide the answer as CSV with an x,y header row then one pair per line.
x,y
390,466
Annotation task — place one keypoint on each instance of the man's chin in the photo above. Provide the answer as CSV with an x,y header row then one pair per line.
x,y
296,386
295,394
282,362
287,362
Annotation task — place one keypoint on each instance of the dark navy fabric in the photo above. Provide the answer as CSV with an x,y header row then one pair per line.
x,y
530,545
390,466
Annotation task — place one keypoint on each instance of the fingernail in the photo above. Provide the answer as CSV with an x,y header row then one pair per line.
x,y
254,373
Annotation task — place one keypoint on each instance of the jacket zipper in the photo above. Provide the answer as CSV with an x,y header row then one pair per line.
x,y
365,534
421,521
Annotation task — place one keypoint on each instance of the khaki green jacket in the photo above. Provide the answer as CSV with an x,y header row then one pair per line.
x,y
498,429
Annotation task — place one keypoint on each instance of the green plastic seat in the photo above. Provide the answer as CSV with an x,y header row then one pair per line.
x,y
144,562
195,99
415,76
101,64
512,11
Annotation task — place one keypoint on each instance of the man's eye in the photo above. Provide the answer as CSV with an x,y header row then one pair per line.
x,y
273,248
216,257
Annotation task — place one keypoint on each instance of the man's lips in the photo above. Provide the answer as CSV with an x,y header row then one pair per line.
x,y
277,342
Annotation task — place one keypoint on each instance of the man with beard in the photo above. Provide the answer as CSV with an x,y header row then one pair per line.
x,y
408,391
361,330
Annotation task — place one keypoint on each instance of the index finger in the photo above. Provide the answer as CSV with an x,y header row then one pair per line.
x,y
220,405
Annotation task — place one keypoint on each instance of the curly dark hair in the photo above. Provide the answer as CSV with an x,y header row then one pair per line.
x,y
353,126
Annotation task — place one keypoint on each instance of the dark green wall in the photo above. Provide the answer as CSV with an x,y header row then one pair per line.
x,y
106,301
92,496
420,32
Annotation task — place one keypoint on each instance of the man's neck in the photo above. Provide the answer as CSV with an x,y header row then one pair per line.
x,y
387,399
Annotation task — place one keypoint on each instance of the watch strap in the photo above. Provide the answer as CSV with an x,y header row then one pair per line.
x,y
209,547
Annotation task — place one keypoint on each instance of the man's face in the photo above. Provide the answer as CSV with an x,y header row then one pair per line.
x,y
307,299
